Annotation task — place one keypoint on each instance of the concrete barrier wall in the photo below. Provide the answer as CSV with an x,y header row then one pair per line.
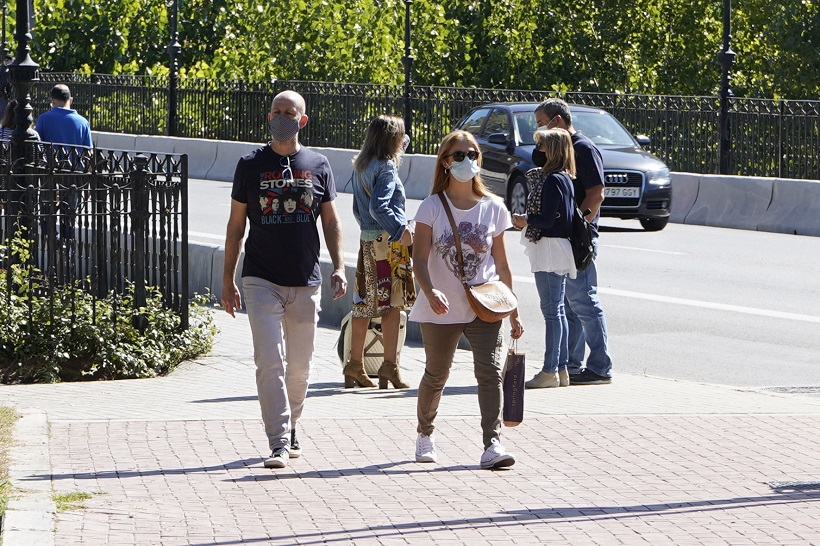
x,y
794,208
766,204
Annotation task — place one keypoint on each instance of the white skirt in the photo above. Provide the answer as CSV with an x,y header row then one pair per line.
x,y
550,254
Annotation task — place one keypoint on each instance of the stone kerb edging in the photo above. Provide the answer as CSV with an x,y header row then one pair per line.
x,y
30,514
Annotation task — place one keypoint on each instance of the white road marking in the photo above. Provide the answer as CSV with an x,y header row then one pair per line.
x,y
201,235
351,258
693,303
646,250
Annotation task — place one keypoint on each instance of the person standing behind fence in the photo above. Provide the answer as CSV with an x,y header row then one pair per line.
x,y
585,315
6,89
444,311
384,276
281,273
61,124
547,227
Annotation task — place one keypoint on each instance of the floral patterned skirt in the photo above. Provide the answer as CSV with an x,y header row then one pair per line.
x,y
384,278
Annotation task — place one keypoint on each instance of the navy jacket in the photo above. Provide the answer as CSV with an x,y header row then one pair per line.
x,y
557,205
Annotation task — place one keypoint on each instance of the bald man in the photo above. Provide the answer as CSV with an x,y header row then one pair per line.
x,y
281,277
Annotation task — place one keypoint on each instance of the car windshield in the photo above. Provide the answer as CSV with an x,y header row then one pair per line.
x,y
600,127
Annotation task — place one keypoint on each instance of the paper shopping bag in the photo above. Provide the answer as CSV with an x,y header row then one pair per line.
x,y
514,387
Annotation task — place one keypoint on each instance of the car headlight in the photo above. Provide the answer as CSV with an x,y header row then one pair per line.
x,y
659,177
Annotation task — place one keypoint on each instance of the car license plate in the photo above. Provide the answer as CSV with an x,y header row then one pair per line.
x,y
622,192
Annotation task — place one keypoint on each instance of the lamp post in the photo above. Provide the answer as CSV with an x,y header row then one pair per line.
x,y
407,61
726,58
5,14
174,50
23,73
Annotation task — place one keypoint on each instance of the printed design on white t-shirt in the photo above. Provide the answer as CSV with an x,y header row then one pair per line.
x,y
474,249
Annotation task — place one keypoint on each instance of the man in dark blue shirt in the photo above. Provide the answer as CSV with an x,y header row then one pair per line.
x,y
587,325
283,190
61,124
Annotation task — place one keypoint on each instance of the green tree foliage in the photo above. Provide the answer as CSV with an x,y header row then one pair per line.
x,y
641,46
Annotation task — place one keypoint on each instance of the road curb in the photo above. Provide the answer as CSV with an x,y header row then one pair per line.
x,y
30,517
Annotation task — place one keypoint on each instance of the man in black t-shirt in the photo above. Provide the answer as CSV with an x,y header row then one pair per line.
x,y
282,189
587,325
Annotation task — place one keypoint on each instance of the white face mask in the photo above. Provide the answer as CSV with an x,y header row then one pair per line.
x,y
465,170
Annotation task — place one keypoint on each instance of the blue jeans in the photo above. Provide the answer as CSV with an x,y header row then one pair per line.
x,y
587,325
552,290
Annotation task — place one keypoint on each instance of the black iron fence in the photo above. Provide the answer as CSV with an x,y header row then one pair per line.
x,y
769,137
97,219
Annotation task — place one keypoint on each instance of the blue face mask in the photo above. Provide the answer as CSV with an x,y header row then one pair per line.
x,y
465,170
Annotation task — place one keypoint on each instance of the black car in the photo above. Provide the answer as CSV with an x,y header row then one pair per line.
x,y
637,184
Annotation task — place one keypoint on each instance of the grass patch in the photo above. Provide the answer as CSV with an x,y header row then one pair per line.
x,y
70,501
7,418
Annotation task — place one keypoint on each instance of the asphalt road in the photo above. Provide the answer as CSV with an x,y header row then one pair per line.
x,y
714,305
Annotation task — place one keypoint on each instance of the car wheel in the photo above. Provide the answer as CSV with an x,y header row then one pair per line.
x,y
517,200
654,224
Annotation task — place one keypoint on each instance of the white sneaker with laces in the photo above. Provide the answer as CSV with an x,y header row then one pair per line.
x,y
426,449
496,457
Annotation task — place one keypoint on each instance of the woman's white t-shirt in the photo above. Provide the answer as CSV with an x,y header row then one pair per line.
x,y
477,227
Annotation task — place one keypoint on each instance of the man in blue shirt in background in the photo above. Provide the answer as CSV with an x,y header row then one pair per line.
x,y
61,124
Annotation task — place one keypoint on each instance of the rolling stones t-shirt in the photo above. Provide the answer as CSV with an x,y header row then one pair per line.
x,y
476,227
284,195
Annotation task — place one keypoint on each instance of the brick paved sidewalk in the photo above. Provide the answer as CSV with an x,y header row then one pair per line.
x,y
177,460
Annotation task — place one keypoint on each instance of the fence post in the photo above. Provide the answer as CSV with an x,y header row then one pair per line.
x,y
726,58
407,61
139,232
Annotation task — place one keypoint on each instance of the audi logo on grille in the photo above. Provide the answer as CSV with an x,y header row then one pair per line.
x,y
619,178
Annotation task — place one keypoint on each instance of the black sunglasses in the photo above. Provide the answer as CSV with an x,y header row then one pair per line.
x,y
459,156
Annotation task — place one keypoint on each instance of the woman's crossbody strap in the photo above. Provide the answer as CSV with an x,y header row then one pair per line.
x,y
455,235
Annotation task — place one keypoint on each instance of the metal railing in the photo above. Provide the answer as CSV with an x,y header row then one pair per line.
x,y
769,137
99,220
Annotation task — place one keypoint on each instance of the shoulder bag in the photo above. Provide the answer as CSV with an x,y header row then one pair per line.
x,y
491,301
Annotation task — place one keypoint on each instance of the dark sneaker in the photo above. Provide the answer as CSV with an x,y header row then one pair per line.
x,y
294,451
587,377
278,458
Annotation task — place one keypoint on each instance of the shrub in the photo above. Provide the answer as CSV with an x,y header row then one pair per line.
x,y
69,335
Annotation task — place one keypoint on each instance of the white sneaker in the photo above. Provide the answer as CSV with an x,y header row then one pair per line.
x,y
544,380
426,449
496,457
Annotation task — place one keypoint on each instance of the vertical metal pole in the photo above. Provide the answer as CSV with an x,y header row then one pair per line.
x,y
726,58
5,15
174,49
407,61
139,232
23,73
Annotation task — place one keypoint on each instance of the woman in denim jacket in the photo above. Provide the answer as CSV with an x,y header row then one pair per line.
x,y
384,276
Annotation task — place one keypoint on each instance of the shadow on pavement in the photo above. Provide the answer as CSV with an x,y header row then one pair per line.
x,y
515,518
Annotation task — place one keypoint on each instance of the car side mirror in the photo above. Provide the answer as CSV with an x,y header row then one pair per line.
x,y
643,140
498,138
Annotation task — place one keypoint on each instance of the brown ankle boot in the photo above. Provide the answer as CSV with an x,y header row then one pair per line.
x,y
354,375
389,371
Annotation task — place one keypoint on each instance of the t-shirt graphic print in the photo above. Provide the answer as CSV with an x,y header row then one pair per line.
x,y
286,196
474,249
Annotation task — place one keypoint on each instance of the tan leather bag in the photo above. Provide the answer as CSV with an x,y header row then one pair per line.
x,y
491,301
